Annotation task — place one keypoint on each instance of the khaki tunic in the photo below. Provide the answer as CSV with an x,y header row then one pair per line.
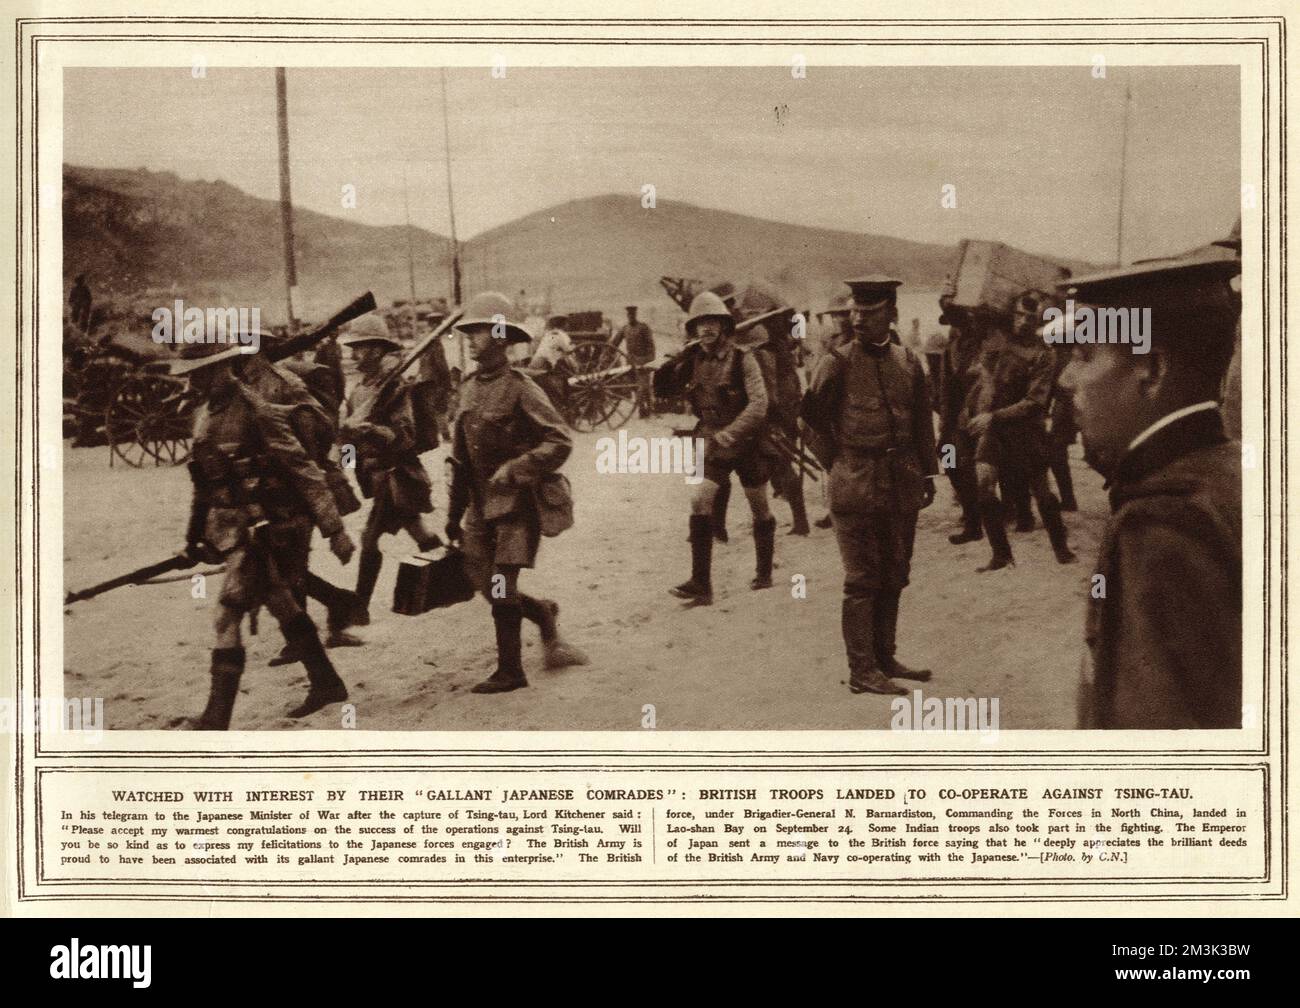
x,y
505,422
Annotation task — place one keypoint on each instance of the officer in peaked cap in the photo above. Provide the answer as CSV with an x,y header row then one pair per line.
x,y
869,407
1231,391
1165,635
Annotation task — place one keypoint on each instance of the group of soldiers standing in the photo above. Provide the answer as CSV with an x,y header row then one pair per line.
x,y
271,442
1164,628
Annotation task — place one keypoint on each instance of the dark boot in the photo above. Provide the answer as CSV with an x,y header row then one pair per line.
x,y
857,624
798,510
1064,480
226,670
509,674
764,547
824,522
368,567
720,501
1056,533
963,489
995,528
324,685
699,589
558,652
968,533
886,624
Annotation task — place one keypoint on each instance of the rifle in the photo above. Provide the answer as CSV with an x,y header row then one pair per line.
x,y
173,563
305,341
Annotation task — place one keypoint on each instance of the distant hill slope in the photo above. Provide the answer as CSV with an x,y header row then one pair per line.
x,y
146,234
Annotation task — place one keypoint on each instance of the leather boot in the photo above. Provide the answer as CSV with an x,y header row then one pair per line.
x,y
824,522
1056,533
509,674
368,567
1064,481
857,624
996,530
720,502
798,510
226,670
886,624
764,547
699,589
964,490
558,652
324,685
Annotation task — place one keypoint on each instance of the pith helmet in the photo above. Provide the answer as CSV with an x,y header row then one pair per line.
x,y
369,329
194,356
490,308
706,305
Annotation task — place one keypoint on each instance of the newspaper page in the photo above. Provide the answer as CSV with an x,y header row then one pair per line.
x,y
820,464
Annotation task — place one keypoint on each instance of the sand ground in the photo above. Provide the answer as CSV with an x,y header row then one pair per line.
x,y
755,660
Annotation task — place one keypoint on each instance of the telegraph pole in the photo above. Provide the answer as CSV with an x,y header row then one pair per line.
x,y
451,212
286,202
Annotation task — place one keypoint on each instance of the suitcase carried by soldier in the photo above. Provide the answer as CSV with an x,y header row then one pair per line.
x,y
432,580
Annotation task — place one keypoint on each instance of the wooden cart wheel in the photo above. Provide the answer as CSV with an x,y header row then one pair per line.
x,y
148,420
605,387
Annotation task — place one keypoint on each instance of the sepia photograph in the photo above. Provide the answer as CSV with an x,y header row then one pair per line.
x,y
701,398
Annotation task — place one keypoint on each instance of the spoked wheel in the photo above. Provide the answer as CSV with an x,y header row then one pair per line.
x,y
602,388
148,420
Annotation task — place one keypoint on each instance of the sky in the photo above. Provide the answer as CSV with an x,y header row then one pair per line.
x,y
1033,152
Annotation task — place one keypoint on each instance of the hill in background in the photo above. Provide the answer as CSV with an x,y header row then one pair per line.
x,y
147,237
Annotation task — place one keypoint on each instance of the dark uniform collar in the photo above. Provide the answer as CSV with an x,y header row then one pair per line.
x,y
488,373
1184,435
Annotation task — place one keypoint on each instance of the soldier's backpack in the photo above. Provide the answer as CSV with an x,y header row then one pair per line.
x,y
428,400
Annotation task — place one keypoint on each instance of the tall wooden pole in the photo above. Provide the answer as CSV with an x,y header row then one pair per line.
x,y
286,201
451,211
410,248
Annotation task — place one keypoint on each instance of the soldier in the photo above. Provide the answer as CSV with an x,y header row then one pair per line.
x,y
257,495
506,438
1165,629
1004,416
956,376
388,466
435,372
727,394
869,408
777,359
1061,433
837,331
316,420
79,299
641,352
